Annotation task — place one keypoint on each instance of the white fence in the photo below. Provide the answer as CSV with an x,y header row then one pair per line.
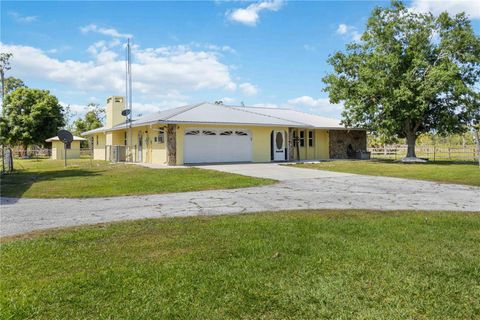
x,y
43,153
467,153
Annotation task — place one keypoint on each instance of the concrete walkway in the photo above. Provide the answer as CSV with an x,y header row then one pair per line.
x,y
298,189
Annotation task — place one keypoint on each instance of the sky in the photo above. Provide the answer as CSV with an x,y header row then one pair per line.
x,y
262,53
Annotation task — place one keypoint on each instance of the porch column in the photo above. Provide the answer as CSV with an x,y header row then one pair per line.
x,y
171,144
291,148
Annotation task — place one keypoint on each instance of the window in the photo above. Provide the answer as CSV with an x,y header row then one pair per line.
x,y
302,138
310,138
97,139
160,138
295,141
125,138
192,132
68,145
241,133
209,133
226,133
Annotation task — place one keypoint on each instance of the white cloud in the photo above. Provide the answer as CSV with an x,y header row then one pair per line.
x,y
156,71
227,100
309,47
471,8
248,89
22,19
320,105
342,28
349,31
213,47
105,31
266,105
77,109
250,15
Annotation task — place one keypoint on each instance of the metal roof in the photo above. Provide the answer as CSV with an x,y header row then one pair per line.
x,y
212,113
75,138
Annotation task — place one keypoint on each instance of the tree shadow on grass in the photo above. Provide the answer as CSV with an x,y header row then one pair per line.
x,y
15,184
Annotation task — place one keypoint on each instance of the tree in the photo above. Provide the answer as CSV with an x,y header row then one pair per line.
x,y
93,119
12,84
31,116
410,73
4,67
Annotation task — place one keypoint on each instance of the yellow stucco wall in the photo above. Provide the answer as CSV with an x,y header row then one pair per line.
x,y
321,145
260,140
58,150
154,152
99,141
319,150
113,111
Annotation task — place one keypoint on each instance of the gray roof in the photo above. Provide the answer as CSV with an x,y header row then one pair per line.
x,y
211,113
75,138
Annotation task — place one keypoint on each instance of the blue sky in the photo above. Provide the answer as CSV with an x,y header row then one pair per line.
x,y
262,53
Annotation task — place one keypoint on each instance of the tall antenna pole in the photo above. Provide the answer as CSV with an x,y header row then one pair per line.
x,y
130,80
128,91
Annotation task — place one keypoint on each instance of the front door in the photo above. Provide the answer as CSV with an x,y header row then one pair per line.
x,y
279,145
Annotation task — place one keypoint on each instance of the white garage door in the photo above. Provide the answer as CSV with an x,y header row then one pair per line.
x,y
217,145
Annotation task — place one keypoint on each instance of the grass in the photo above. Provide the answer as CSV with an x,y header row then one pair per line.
x,y
49,179
290,265
441,171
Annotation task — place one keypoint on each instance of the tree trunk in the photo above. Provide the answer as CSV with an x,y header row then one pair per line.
x,y
411,139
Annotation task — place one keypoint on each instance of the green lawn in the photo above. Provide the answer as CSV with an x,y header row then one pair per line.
x,y
290,265
49,179
442,171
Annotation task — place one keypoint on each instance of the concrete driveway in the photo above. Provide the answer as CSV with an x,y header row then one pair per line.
x,y
297,189
274,171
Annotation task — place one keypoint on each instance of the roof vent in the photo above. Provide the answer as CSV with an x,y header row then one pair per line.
x,y
219,102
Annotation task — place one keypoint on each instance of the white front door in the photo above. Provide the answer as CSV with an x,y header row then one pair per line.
x,y
279,145
207,145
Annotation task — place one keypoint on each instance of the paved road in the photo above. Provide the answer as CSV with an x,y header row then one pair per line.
x,y
320,189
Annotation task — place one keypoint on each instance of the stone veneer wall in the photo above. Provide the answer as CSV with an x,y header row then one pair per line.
x,y
340,139
172,144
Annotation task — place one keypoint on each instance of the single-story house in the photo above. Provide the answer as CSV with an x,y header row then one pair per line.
x,y
214,132
58,148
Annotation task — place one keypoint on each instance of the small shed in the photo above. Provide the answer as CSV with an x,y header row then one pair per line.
x,y
58,148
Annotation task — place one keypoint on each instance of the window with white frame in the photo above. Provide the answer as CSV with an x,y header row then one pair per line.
x,y
302,138
160,137
310,138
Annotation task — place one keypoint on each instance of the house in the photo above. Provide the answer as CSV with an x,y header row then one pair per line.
x,y
214,132
58,148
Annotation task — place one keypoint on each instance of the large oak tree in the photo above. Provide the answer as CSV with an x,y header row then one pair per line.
x,y
30,116
410,73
